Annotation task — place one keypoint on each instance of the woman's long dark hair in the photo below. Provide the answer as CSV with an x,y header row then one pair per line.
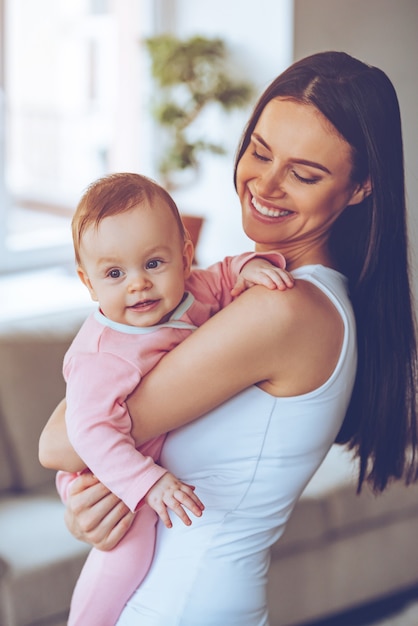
x,y
369,243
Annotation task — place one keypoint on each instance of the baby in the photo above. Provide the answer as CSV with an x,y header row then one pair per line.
x,y
134,256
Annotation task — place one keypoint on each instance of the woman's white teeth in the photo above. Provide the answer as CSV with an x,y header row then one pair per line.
x,y
266,211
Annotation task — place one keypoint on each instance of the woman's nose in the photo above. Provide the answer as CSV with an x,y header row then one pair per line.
x,y
270,184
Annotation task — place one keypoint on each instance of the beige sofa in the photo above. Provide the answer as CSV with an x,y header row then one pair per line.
x,y
339,550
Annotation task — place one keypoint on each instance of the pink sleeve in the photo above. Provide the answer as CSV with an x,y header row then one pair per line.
x,y
63,481
234,264
99,426
217,280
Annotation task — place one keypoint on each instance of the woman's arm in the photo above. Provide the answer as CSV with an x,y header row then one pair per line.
x,y
55,450
181,401
177,391
288,342
263,337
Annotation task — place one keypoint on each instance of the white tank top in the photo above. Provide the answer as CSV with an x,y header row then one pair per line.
x,y
249,459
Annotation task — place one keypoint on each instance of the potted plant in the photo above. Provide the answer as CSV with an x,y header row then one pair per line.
x,y
189,76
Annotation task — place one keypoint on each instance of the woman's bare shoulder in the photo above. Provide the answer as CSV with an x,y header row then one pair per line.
x,y
300,333
304,305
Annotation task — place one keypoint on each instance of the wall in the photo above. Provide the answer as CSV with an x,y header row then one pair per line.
x,y
382,33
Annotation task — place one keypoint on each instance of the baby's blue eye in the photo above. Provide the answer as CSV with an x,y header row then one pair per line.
x,y
153,264
115,274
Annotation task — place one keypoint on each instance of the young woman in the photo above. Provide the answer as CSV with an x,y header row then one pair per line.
x,y
277,377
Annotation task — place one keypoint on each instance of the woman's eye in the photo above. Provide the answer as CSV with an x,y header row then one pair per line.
x,y
114,273
153,264
259,156
303,179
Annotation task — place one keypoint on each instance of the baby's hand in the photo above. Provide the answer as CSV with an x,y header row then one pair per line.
x,y
259,271
170,493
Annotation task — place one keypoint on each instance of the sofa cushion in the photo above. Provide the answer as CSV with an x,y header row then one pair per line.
x,y
31,385
331,504
42,560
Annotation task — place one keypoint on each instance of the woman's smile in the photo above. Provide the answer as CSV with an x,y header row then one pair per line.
x,y
267,210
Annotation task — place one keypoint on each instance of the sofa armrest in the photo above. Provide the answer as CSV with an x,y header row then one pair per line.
x,y
31,385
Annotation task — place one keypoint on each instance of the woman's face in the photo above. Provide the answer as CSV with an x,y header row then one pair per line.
x,y
294,180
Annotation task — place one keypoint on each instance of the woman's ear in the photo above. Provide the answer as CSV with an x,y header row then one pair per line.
x,y
361,192
86,281
188,256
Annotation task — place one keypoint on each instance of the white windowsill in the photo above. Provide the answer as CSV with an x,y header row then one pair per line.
x,y
29,294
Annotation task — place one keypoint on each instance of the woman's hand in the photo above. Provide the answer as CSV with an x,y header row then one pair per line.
x,y
95,515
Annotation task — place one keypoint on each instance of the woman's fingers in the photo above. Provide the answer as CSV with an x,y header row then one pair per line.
x,y
95,515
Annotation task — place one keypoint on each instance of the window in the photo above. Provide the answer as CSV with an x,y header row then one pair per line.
x,y
70,112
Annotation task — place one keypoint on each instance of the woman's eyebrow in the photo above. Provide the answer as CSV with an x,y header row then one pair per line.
x,y
261,140
318,166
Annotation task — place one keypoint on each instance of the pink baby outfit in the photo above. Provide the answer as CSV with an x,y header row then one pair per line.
x,y
104,364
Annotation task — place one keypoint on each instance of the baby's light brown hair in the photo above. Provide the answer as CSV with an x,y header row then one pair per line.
x,y
114,194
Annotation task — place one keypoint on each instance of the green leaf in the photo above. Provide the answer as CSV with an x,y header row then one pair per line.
x,y
189,74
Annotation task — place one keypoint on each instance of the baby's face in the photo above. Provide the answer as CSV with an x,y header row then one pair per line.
x,y
135,265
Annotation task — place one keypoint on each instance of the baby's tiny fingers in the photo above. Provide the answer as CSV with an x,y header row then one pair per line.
x,y
282,280
190,501
238,288
177,508
189,490
197,501
287,278
164,516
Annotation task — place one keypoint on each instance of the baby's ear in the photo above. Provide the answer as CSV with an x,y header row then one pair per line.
x,y
86,281
188,256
